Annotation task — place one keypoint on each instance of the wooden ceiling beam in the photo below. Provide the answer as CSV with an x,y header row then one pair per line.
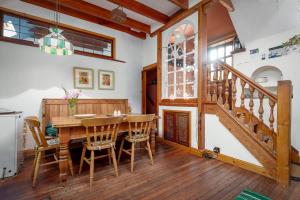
x,y
142,9
179,16
102,13
228,5
74,13
184,4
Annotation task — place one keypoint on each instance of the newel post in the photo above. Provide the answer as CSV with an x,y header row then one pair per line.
x,y
284,95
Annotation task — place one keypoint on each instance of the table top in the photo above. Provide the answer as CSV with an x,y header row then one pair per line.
x,y
70,121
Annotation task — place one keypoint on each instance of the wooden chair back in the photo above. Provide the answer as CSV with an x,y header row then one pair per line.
x,y
140,125
34,126
102,130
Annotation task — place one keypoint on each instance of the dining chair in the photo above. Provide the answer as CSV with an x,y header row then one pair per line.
x,y
43,144
101,134
139,131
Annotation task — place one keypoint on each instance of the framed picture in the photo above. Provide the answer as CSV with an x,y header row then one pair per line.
x,y
83,78
106,80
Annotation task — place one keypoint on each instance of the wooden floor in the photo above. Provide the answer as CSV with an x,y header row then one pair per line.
x,y
175,175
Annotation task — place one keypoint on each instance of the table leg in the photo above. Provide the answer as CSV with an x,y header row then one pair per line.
x,y
64,137
153,132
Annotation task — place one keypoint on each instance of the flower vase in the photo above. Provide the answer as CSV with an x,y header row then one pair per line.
x,y
72,109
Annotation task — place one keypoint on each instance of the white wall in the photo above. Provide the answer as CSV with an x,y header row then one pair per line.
x,y
260,18
149,51
217,135
194,122
288,64
28,75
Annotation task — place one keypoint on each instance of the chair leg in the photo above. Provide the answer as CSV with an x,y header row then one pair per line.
x,y
109,156
113,155
149,152
121,149
36,168
82,157
132,156
70,163
34,163
92,168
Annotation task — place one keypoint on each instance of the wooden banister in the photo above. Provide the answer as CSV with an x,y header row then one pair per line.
x,y
275,133
249,81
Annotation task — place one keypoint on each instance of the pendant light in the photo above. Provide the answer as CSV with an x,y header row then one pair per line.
x,y
118,15
55,43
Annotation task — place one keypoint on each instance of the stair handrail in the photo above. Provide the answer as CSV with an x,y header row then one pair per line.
x,y
248,80
222,90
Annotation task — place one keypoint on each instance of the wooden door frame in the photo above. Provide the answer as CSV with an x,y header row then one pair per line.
x,y
144,84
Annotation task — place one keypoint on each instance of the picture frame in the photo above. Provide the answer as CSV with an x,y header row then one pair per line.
x,y
83,78
106,80
276,51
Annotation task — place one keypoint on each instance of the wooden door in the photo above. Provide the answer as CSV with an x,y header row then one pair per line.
x,y
169,126
177,127
183,128
149,89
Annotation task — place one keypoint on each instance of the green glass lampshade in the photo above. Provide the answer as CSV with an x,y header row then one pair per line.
x,y
56,44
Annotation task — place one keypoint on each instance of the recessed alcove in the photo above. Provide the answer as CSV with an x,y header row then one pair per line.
x,y
267,76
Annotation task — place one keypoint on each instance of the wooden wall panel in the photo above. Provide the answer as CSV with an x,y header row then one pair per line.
x,y
177,126
169,128
183,128
59,107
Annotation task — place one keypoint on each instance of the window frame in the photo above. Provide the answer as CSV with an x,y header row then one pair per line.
x,y
87,33
223,44
184,70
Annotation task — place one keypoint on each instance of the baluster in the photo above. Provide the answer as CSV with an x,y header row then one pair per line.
x,y
226,72
215,79
243,83
251,105
233,89
260,112
261,106
220,86
271,119
208,96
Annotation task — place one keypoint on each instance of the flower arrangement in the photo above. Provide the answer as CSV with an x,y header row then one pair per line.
x,y
292,41
72,97
292,45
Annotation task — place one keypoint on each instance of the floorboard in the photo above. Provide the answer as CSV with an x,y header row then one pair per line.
x,y
175,174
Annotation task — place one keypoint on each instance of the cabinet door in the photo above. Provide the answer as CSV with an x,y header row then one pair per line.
x,y
183,128
169,126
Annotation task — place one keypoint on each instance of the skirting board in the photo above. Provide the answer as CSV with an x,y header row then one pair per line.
x,y
184,148
242,164
223,158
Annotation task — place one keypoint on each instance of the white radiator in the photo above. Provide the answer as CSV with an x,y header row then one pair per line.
x,y
11,142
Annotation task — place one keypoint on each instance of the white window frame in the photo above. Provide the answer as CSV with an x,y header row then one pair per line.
x,y
165,73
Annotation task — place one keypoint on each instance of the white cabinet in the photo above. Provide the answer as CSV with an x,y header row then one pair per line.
x,y
11,142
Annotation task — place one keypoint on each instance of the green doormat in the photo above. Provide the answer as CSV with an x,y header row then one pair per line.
x,y
250,195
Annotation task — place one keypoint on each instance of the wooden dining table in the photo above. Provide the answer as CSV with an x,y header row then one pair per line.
x,y
70,128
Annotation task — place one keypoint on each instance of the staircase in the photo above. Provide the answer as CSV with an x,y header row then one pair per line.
x,y
260,120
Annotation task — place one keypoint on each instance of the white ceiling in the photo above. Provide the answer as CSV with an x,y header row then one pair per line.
x,y
254,19
163,6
